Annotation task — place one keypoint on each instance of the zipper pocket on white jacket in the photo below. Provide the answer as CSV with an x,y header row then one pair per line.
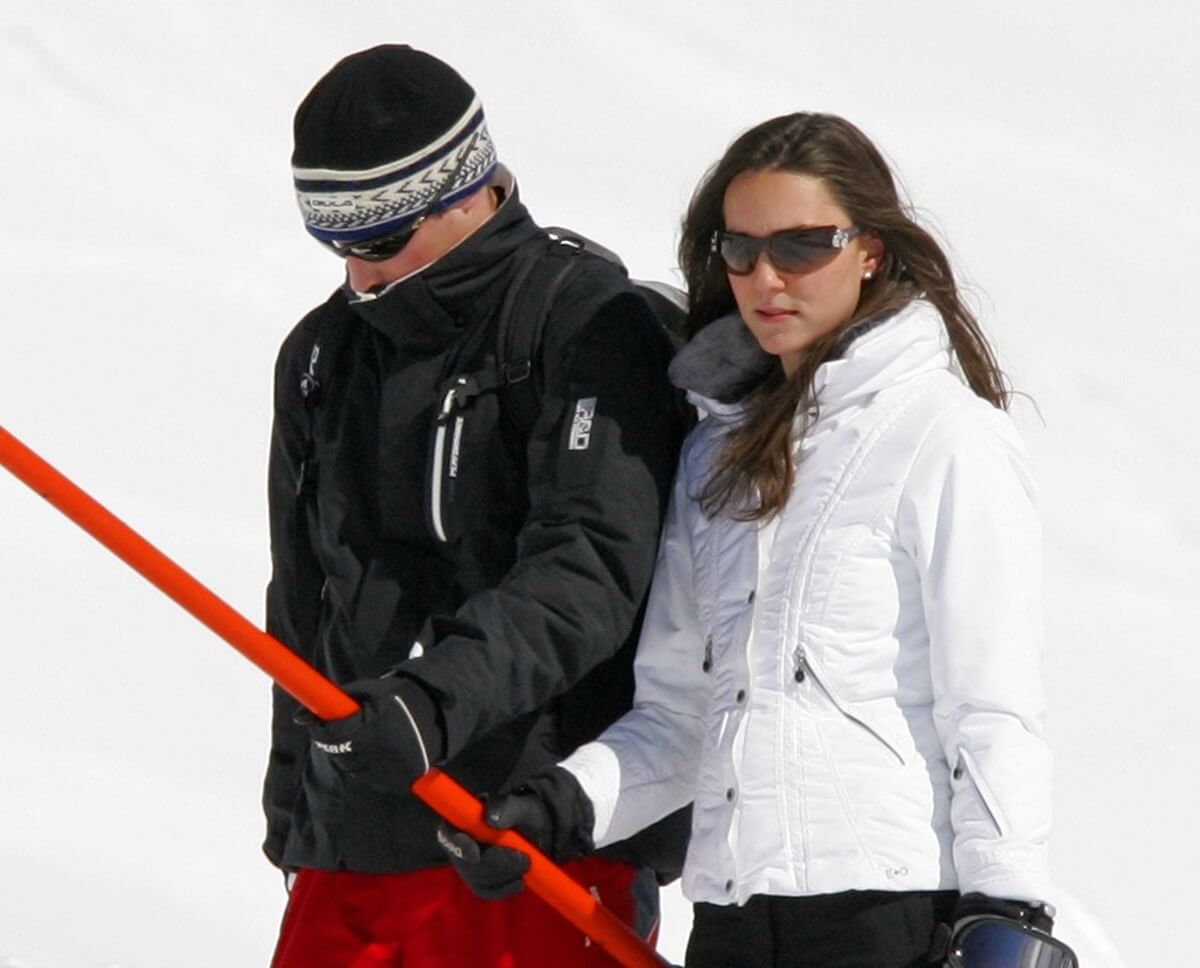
x,y
966,765
802,669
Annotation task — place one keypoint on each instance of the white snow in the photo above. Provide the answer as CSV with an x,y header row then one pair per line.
x,y
151,260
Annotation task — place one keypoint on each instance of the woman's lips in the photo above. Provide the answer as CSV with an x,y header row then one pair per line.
x,y
773,314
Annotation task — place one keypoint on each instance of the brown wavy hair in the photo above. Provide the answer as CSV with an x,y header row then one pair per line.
x,y
754,474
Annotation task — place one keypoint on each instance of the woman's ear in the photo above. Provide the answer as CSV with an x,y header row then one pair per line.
x,y
873,251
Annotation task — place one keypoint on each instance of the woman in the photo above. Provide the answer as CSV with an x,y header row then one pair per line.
x,y
840,659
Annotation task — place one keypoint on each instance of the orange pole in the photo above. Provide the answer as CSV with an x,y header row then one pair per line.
x,y
317,693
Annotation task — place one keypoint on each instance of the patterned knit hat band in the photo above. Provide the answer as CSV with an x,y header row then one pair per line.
x,y
349,206
387,135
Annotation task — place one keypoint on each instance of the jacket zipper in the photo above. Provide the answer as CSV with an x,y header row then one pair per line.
x,y
803,668
966,764
450,403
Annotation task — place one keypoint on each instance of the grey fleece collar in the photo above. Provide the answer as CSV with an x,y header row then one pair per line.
x,y
724,362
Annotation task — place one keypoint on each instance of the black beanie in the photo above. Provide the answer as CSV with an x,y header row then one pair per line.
x,y
377,138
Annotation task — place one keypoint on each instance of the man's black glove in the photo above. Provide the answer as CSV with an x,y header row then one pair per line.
x,y
393,739
550,810
1009,945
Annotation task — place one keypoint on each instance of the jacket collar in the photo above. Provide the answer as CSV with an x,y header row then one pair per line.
x,y
432,305
720,365
911,342
723,362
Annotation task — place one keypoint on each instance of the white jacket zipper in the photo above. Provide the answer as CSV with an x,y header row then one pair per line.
x,y
803,668
966,764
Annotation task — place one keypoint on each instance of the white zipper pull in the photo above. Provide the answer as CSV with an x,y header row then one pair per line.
x,y
801,671
450,400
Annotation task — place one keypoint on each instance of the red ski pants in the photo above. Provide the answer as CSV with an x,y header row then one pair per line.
x,y
429,919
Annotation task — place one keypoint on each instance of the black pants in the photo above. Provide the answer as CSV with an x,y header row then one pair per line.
x,y
854,929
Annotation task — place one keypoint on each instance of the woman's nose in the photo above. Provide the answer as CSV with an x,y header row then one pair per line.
x,y
765,275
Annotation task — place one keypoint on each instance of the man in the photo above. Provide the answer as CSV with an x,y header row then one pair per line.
x,y
472,576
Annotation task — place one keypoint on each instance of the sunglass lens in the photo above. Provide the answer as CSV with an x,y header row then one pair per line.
x,y
740,253
373,250
994,943
381,249
801,251
798,251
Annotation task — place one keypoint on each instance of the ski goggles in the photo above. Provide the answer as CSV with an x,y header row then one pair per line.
x,y
795,250
382,248
995,942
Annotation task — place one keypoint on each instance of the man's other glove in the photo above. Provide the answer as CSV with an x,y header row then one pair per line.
x,y
550,810
393,739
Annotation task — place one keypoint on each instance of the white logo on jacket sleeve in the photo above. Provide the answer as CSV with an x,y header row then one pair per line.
x,y
581,426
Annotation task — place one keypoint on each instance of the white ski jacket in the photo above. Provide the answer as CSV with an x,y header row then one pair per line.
x,y
851,694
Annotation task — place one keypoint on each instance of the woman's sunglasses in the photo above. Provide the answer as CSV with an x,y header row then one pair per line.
x,y
795,250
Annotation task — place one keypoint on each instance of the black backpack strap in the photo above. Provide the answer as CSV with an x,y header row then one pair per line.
x,y
523,317
528,303
537,275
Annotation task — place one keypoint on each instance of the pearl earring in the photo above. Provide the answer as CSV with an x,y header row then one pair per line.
x,y
868,274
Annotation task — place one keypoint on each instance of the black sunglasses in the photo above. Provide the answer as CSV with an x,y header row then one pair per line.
x,y
794,250
383,247
378,249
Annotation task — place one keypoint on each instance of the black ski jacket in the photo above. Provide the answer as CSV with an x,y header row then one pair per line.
x,y
521,574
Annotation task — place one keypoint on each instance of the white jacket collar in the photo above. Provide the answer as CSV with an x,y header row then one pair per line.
x,y
723,361
913,342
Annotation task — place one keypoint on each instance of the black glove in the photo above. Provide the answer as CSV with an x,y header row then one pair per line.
x,y
550,810
393,739
1037,918
975,905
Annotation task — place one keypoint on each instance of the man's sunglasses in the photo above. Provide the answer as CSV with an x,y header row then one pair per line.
x,y
382,248
795,250
378,249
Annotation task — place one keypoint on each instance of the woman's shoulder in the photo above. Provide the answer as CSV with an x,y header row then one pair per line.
x,y
961,418
961,434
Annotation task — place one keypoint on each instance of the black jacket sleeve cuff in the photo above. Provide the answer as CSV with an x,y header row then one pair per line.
x,y
426,715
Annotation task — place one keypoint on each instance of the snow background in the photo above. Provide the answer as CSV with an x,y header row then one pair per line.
x,y
152,259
